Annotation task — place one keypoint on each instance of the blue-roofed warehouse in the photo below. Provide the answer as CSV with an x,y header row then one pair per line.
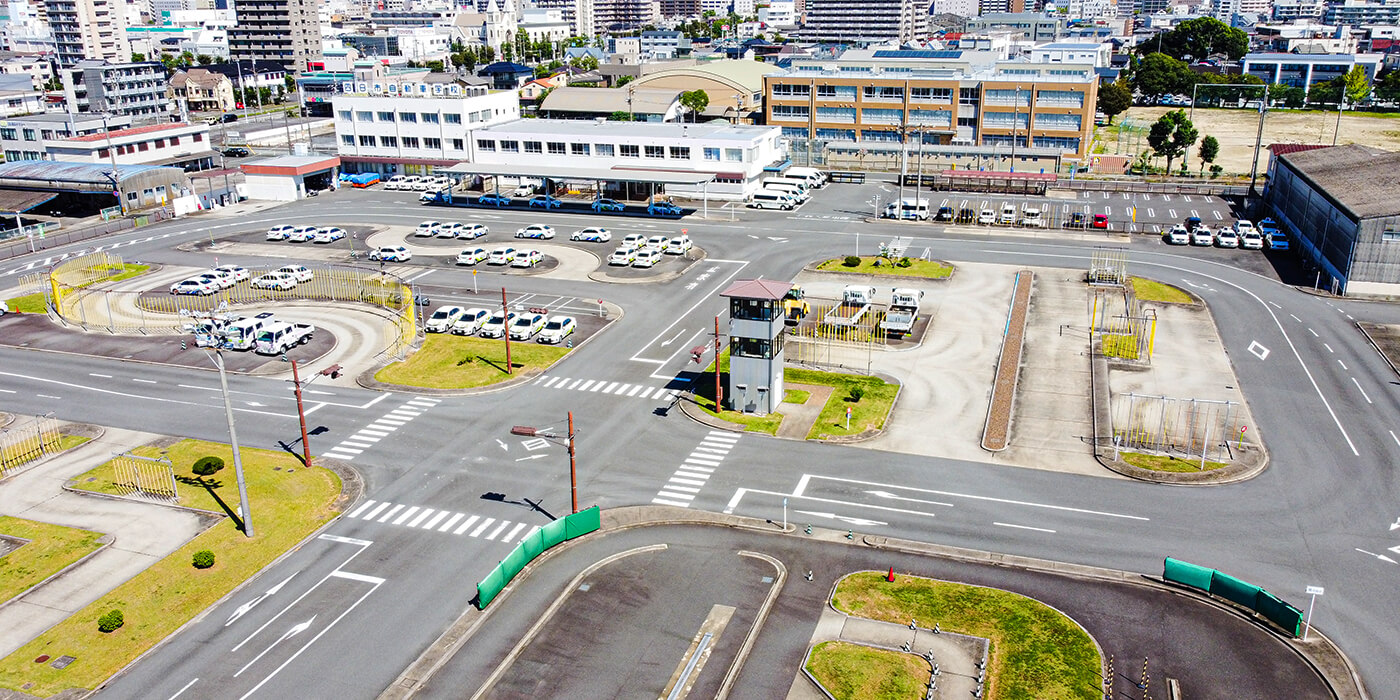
x,y
80,189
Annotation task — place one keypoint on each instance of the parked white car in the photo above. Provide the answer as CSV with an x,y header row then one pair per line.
x,y
451,229
239,273
396,253
591,234
275,280
442,319
395,182
472,232
1244,225
634,241
624,255
1251,240
525,326
472,256
536,231
1227,238
501,256
197,286
679,245
657,243
220,280
527,258
302,234
1202,236
330,234
427,229
556,329
470,321
495,327
647,257
300,273
279,233
1178,235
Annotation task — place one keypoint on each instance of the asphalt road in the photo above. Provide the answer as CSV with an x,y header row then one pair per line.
x,y
1322,514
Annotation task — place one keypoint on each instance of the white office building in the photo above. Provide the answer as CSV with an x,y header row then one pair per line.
x,y
735,155
1079,53
395,128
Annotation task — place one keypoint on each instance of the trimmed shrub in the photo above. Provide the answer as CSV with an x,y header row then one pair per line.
x,y
857,393
906,262
110,621
203,559
851,261
207,466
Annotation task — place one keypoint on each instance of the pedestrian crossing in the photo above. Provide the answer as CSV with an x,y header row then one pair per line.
x,y
448,522
685,484
396,418
603,386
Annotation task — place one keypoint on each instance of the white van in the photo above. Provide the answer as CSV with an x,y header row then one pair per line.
x,y
799,183
243,333
772,199
814,177
797,191
909,208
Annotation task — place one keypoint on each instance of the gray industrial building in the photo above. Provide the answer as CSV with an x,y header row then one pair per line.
x,y
1340,207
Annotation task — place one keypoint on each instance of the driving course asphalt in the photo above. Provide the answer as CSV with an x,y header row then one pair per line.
x,y
382,588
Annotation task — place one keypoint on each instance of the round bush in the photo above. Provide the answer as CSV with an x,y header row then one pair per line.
x,y
857,393
203,559
851,261
207,466
110,621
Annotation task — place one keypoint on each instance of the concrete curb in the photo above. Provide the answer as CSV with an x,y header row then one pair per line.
x,y
1001,362
103,542
1362,327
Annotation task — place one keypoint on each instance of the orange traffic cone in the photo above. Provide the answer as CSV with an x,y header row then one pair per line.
x,y
890,576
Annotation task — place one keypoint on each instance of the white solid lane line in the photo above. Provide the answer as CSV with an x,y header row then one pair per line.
x,y
1363,391
1024,527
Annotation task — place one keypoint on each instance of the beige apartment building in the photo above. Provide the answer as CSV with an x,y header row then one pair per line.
x,y
952,106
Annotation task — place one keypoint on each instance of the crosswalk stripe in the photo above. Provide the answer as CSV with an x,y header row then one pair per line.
x,y
350,450
367,438
576,383
599,386
718,450
610,388
480,528
420,402
355,444
391,512
377,509
510,536
434,521
635,389
586,385
647,392
551,380
406,515
707,460
498,529
671,394
360,509
685,470
451,521
398,412
395,421
621,389
675,494
384,430
421,517
691,482
466,524
687,489
336,455
665,502
724,435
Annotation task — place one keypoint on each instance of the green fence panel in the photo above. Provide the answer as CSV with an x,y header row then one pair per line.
x,y
553,533
583,522
515,561
534,543
1234,590
1186,573
490,587
1280,613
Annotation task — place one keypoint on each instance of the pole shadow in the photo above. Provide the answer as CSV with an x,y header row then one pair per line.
x,y
229,511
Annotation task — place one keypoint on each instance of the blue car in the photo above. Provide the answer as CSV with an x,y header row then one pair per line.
x,y
493,200
1276,239
607,205
663,209
545,201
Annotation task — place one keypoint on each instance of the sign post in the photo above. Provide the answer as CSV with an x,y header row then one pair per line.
x,y
785,514
848,418
1314,592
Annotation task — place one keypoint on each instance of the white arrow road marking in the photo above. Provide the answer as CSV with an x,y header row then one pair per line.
x,y
1258,350
244,608
673,339
522,459
1395,525
1381,557
887,494
842,518
503,445
292,631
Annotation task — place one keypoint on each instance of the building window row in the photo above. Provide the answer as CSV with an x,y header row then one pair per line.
x,y
1060,98
836,115
603,150
882,93
790,112
791,90
1006,120
930,117
1007,98
1062,122
1060,142
882,116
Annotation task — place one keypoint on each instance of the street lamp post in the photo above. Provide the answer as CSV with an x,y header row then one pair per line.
x,y
243,505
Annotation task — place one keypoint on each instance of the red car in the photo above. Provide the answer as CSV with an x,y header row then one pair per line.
x,y
1100,221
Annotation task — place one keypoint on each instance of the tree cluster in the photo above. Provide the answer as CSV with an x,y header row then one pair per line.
x,y
1199,39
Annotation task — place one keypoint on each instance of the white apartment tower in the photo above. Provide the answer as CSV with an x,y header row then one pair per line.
x,y
866,20
88,29
281,31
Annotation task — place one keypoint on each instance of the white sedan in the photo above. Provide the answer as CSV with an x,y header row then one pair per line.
x,y
279,233
592,234
450,230
302,234
443,318
330,234
501,256
275,280
239,273
495,327
427,229
526,326
647,257
300,273
472,256
527,258
197,286
470,321
473,232
536,231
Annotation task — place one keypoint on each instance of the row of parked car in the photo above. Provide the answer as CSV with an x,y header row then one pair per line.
x,y
223,277
639,251
305,234
1242,234
657,206
495,324
501,256
418,183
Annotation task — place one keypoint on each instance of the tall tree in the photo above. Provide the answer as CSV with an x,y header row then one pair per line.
x,y
1207,151
1356,85
1171,135
1199,38
696,101
1159,74
1114,99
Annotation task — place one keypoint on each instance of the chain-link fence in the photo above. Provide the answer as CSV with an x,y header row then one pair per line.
x,y
1201,428
27,440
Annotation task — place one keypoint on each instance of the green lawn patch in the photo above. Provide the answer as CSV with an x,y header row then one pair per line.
x,y
460,362
1167,463
796,396
917,268
1037,653
29,304
50,549
129,270
854,672
1148,290
288,503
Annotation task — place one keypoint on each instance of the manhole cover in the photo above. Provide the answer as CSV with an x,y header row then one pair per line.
x,y
585,587
42,658
63,661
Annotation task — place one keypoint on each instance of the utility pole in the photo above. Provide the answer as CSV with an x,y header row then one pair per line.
x,y
1258,139
573,466
719,391
243,505
301,413
505,316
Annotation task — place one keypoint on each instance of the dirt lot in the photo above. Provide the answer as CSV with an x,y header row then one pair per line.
x,y
1235,130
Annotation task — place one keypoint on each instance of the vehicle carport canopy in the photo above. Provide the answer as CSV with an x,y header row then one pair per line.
x,y
658,177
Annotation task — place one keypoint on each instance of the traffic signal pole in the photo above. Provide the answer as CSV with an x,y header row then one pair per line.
x,y
301,413
505,314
